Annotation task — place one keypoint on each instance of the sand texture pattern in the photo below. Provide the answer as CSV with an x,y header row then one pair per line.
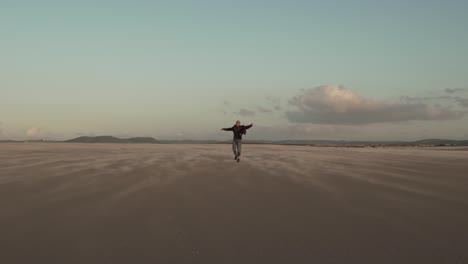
x,y
152,203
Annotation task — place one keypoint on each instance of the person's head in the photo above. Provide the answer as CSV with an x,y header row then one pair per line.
x,y
237,123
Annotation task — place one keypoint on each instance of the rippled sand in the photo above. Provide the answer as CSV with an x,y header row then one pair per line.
x,y
113,203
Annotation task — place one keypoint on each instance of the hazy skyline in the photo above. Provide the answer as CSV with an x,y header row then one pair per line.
x,y
352,70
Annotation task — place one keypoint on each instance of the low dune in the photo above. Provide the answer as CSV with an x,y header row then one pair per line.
x,y
152,203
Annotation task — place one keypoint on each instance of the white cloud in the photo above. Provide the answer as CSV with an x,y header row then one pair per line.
x,y
34,132
245,112
275,102
263,109
339,105
426,99
455,90
462,101
300,131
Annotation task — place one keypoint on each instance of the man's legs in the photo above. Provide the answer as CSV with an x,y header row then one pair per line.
x,y
234,148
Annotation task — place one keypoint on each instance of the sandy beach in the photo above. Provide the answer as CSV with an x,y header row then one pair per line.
x,y
145,203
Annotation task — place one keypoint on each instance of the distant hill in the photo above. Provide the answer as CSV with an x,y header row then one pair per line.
x,y
111,139
426,142
188,141
441,142
326,143
331,142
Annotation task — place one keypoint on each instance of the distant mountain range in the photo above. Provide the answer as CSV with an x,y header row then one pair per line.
x,y
111,139
150,140
426,142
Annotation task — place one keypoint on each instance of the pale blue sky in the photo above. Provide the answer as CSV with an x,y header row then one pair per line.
x,y
164,68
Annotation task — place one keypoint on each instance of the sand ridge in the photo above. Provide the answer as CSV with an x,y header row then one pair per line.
x,y
145,203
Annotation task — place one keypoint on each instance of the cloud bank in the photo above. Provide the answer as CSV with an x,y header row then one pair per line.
x,y
245,112
463,102
455,90
34,132
300,131
339,105
263,109
275,102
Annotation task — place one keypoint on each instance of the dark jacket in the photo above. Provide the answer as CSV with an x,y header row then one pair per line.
x,y
238,131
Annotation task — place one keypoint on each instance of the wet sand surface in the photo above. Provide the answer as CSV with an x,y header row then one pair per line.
x,y
130,203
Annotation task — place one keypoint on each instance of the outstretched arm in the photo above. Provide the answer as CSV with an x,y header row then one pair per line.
x,y
249,126
227,129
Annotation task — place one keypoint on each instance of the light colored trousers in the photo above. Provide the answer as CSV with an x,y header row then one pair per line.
x,y
236,146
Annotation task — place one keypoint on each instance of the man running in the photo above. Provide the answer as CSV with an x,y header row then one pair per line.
x,y
238,130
